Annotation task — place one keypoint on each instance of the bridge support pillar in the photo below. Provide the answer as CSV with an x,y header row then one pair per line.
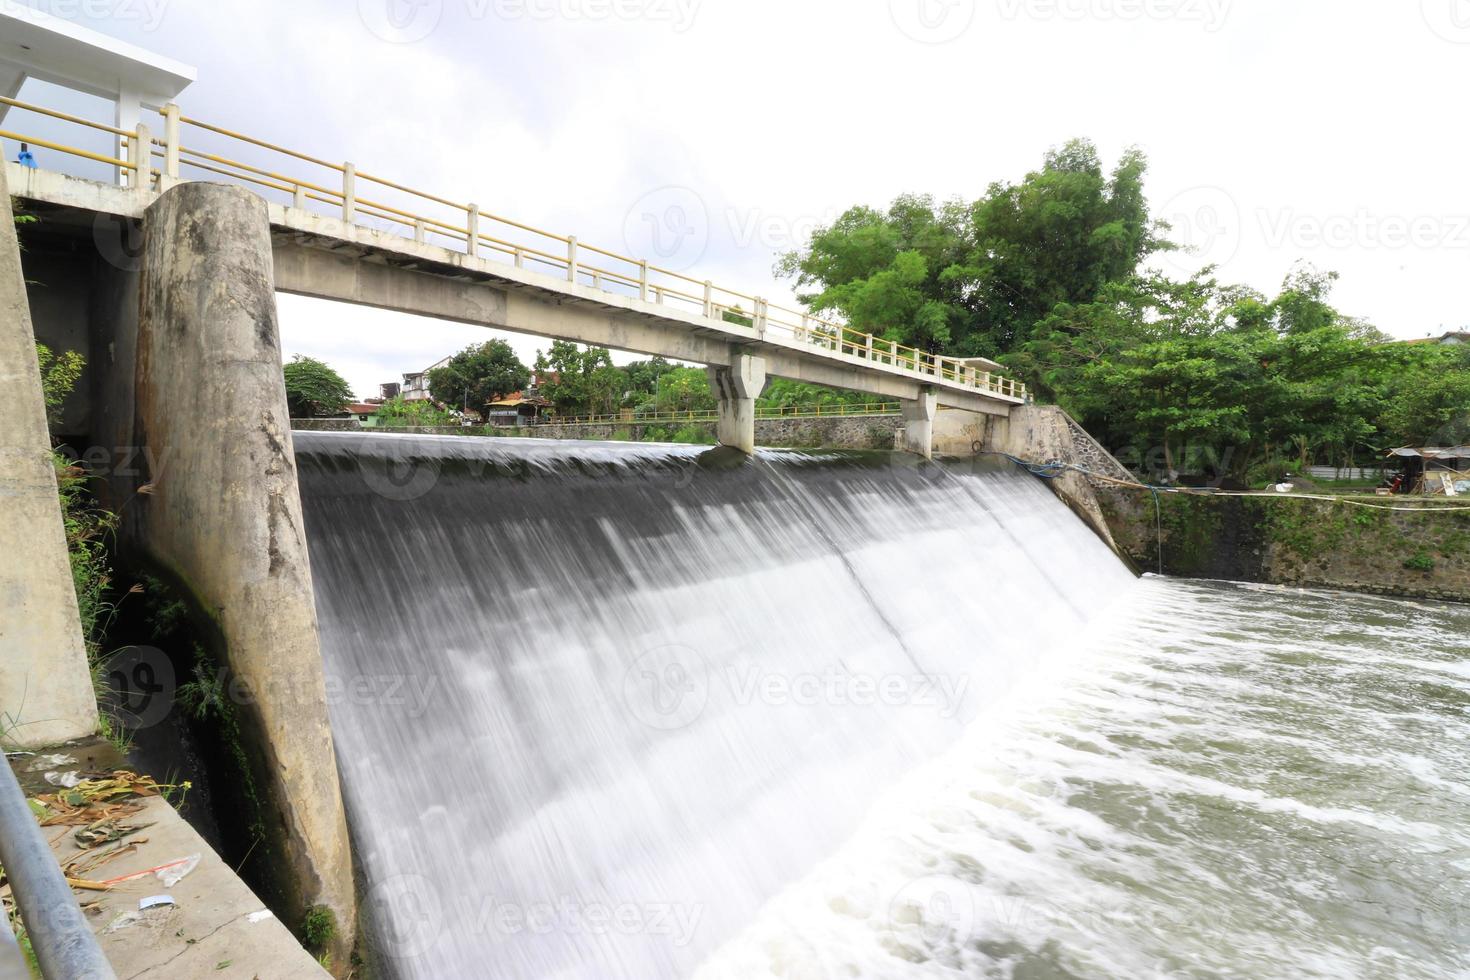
x,y
45,684
918,423
224,516
737,387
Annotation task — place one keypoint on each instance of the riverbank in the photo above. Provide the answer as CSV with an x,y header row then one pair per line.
x,y
1416,550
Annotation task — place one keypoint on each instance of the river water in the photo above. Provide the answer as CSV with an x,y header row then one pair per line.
x,y
633,711
1230,781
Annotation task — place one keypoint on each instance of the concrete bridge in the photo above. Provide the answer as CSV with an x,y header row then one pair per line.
x,y
425,254
167,285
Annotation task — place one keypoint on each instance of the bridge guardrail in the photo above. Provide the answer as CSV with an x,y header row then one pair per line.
x,y
864,410
399,209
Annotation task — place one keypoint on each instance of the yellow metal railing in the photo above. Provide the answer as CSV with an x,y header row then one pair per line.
x,y
706,415
397,208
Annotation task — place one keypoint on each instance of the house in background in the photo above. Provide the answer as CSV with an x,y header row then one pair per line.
x,y
366,413
1452,339
416,385
522,408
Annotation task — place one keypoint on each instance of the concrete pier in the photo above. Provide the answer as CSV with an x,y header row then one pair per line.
x,y
737,387
46,691
224,514
918,429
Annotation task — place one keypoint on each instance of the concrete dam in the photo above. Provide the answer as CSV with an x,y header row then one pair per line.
x,y
520,708
640,689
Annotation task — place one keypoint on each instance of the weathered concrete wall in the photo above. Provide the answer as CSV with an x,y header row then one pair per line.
x,y
224,515
918,424
57,270
849,432
1039,434
45,685
1293,541
960,433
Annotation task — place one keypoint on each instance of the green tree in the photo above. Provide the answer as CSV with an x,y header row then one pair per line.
x,y
479,374
1428,398
976,278
313,389
579,381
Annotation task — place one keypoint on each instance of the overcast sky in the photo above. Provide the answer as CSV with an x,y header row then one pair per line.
x,y
714,134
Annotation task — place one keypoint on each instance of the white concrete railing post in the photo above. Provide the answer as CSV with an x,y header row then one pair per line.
x,y
420,231
643,280
349,192
140,155
709,299
298,197
171,145
472,225
758,319
572,259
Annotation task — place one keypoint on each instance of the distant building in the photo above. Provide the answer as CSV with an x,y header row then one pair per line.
x,y
416,385
389,390
522,408
366,413
1452,339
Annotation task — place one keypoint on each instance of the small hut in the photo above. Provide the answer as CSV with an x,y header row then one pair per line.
x,y
515,410
1432,469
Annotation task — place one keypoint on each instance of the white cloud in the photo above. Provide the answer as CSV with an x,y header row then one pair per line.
x,y
779,115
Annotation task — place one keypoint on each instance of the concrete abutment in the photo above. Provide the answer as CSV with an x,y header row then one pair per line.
x,y
223,512
737,387
46,693
918,429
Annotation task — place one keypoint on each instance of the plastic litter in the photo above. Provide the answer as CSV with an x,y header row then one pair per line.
x,y
260,916
153,901
49,762
173,874
66,780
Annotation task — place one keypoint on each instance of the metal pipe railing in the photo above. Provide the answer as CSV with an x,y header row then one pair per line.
x,y
651,281
62,940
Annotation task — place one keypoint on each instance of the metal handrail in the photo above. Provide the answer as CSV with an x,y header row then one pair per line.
x,y
867,409
806,328
62,940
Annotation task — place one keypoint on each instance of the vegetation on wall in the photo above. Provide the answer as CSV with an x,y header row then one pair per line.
x,y
399,411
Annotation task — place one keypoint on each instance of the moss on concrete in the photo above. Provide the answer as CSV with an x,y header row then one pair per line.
x,y
1296,541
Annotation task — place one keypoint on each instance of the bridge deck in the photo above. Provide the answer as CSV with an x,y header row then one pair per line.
x,y
441,259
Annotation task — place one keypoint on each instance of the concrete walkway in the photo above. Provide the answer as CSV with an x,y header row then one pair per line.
x,y
215,926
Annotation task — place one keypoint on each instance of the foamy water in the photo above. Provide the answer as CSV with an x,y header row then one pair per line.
x,y
1227,781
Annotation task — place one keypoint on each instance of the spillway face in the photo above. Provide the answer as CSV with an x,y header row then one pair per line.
x,y
596,704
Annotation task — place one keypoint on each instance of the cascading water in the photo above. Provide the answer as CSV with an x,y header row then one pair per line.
x,y
607,710
595,704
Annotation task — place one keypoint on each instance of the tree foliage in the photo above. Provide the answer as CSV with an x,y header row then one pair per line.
x,y
479,374
1158,364
975,278
313,389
